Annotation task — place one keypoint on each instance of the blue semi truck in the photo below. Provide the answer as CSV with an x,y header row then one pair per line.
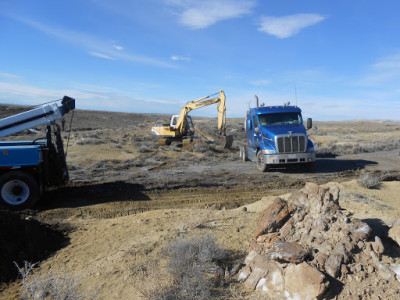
x,y
276,137
28,167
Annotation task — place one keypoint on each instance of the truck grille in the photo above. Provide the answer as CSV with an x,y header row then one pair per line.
x,y
291,144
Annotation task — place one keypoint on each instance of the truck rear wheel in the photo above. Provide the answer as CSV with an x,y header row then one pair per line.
x,y
18,190
261,166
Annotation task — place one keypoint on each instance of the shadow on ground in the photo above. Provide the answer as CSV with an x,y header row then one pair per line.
x,y
72,196
326,165
25,239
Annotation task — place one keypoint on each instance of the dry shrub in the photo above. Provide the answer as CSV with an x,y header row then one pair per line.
x,y
90,141
333,147
203,148
190,263
144,149
55,286
149,281
150,162
369,181
200,147
378,146
186,155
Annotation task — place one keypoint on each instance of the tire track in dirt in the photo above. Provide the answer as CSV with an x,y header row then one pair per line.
x,y
212,198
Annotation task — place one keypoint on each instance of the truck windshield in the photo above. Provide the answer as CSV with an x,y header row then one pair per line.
x,y
280,118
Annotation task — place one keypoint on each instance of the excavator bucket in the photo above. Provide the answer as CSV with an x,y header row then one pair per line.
x,y
226,141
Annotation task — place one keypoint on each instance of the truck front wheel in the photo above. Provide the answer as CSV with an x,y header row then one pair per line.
x,y
18,190
261,166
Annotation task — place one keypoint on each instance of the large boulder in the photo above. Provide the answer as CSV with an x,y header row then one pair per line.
x,y
394,232
303,244
303,281
273,217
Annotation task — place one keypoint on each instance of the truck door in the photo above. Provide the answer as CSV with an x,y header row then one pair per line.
x,y
252,136
249,130
256,133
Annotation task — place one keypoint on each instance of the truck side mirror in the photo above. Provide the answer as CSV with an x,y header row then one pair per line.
x,y
257,130
309,123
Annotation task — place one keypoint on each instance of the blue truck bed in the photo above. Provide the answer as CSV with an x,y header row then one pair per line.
x,y
20,153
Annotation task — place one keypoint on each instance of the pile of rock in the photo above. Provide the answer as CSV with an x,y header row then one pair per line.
x,y
304,246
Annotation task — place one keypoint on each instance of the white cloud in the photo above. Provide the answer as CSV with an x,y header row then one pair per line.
x,y
180,58
119,48
202,14
287,26
101,55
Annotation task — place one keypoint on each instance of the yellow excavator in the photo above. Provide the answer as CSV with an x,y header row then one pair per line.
x,y
181,126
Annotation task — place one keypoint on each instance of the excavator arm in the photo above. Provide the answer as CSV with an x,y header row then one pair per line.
x,y
205,101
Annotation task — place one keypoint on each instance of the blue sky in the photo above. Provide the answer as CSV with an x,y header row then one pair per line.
x,y
337,60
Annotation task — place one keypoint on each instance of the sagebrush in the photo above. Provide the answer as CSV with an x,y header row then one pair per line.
x,y
194,265
52,285
369,181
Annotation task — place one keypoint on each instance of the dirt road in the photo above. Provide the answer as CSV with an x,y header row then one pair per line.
x,y
226,184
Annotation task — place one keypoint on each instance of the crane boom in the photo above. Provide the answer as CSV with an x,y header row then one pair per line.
x,y
44,114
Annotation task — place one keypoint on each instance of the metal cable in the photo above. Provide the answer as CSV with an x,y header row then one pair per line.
x,y
69,134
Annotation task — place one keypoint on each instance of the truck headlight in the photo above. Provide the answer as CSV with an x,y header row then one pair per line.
x,y
268,151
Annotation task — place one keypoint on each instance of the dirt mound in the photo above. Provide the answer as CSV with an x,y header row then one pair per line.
x,y
308,248
25,239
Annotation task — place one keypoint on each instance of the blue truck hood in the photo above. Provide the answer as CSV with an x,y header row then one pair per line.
x,y
271,131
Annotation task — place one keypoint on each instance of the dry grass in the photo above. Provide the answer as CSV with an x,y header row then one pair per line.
x,y
56,286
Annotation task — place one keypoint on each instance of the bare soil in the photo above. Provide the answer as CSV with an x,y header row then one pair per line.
x,y
129,198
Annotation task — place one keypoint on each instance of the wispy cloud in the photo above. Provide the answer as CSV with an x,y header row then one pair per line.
x,y
119,48
92,45
385,72
390,62
10,76
101,55
287,26
261,82
87,97
202,14
180,58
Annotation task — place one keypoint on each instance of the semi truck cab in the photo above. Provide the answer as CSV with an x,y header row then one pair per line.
x,y
276,137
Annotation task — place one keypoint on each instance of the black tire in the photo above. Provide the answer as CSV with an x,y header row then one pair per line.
x,y
309,167
261,166
18,190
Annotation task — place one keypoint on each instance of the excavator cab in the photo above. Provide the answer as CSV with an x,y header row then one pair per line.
x,y
174,121
189,124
